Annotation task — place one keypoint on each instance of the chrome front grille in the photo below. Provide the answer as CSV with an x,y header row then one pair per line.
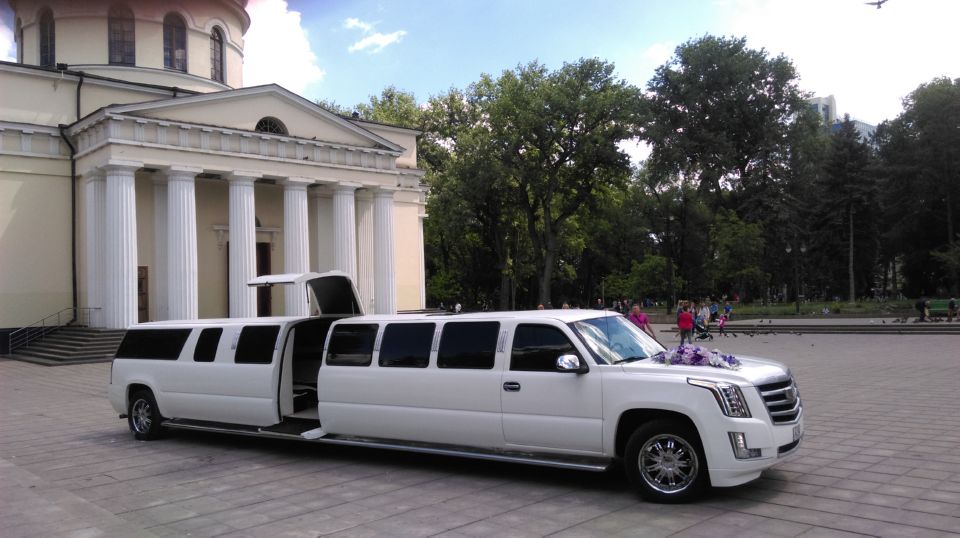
x,y
782,400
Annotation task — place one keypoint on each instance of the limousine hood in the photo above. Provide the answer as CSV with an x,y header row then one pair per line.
x,y
333,291
753,370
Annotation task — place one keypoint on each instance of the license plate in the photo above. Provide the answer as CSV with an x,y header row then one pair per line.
x,y
797,432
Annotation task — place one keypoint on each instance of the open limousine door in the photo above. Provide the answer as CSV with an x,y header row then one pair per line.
x,y
333,291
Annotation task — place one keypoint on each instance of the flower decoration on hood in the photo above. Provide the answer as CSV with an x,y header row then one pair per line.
x,y
691,355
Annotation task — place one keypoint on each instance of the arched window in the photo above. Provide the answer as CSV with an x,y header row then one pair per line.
x,y
174,42
272,125
121,36
18,37
48,55
216,54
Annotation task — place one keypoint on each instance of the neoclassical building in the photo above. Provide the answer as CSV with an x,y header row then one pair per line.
x,y
141,181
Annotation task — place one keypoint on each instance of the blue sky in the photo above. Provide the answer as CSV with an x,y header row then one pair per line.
x,y
345,51
451,43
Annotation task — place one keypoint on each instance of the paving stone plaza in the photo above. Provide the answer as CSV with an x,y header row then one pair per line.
x,y
881,457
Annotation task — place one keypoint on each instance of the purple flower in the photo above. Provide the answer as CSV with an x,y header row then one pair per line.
x,y
696,356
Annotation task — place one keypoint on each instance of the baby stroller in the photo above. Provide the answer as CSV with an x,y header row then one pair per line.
x,y
701,331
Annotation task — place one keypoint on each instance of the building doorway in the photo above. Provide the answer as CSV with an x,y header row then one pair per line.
x,y
264,297
143,298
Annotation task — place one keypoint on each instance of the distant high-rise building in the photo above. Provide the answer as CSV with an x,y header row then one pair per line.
x,y
825,107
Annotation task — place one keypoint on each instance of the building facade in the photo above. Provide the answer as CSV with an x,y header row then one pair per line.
x,y
140,181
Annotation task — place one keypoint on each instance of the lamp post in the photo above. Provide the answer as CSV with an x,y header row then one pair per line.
x,y
796,272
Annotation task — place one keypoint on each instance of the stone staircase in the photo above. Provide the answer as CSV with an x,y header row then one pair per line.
x,y
72,345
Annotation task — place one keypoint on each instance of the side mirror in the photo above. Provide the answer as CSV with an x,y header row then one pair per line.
x,y
570,363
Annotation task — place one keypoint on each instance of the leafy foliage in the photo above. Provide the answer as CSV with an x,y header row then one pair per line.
x,y
532,200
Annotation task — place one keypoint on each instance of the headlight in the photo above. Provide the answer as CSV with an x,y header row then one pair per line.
x,y
728,396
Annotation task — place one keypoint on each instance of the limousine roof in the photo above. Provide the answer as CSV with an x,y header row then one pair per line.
x,y
564,315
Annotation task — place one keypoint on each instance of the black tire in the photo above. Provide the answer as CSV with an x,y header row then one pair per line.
x,y
143,416
675,444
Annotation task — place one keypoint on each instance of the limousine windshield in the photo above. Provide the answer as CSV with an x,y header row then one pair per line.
x,y
614,339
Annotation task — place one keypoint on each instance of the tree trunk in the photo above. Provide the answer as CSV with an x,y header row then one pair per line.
x,y
504,302
893,279
853,293
950,238
546,274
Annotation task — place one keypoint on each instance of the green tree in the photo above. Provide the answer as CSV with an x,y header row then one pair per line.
x,y
719,114
738,250
557,135
849,206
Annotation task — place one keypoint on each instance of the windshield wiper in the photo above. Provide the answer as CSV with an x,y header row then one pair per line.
x,y
629,359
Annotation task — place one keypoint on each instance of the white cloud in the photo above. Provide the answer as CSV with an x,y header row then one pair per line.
x,y
8,49
276,48
637,149
372,42
868,58
376,42
357,23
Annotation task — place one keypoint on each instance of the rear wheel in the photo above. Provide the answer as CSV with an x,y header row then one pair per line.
x,y
143,416
665,462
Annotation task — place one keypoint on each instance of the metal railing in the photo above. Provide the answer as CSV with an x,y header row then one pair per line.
x,y
37,330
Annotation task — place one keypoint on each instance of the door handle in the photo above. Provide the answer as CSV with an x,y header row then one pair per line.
x,y
511,386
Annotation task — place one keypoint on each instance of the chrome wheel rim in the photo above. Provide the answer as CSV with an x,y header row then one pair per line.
x,y
668,463
142,416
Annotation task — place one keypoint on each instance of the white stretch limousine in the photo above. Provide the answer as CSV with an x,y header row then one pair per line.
x,y
567,388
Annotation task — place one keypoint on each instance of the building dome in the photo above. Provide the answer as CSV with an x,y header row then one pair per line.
x,y
195,45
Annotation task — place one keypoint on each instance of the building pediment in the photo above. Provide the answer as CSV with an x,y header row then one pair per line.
x,y
242,109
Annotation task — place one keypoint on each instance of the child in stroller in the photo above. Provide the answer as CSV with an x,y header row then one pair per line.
x,y
701,330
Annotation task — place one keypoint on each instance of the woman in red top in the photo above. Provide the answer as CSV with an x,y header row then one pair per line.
x,y
685,324
641,320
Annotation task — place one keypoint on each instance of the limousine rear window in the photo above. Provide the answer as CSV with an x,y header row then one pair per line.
x,y
406,345
256,344
352,344
160,344
206,349
468,344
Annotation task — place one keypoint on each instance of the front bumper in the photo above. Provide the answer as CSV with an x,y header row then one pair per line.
x,y
774,441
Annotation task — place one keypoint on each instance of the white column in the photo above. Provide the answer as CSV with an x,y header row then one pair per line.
x,y
159,276
384,280
345,229
243,245
322,248
120,246
365,259
94,213
182,275
422,261
296,243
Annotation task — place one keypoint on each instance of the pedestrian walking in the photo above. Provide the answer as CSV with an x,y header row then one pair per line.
x,y
641,320
685,325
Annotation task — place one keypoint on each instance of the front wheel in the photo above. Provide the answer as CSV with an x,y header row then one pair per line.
x,y
665,462
143,416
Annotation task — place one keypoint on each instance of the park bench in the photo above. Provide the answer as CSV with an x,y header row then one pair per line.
x,y
938,307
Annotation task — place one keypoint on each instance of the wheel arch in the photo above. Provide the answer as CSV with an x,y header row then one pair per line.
x,y
134,388
631,419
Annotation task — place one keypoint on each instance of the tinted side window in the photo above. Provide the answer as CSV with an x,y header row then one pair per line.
x,y
163,344
468,344
256,344
406,345
536,348
206,349
352,345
